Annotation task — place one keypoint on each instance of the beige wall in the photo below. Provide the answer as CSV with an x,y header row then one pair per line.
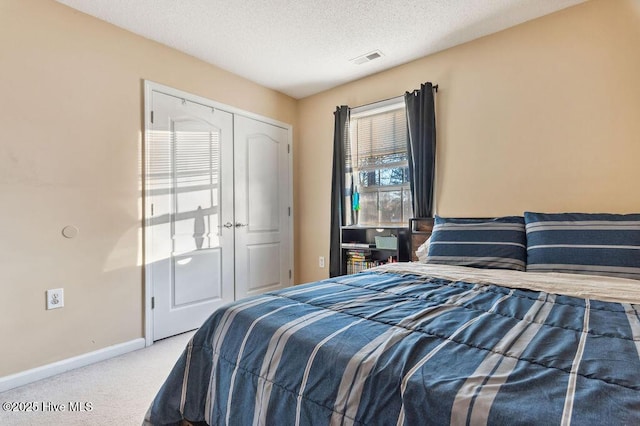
x,y
544,116
71,100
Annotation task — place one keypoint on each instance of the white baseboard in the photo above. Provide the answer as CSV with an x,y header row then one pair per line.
x,y
39,373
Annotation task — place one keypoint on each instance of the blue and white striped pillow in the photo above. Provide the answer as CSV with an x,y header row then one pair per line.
x,y
480,243
582,243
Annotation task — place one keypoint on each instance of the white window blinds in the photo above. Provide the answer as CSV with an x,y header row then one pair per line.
x,y
379,139
376,160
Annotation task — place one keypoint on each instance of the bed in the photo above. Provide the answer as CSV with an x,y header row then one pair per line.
x,y
427,343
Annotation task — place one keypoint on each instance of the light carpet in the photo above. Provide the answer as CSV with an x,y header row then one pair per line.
x,y
117,391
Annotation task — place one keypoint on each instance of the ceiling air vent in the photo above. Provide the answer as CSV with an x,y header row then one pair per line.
x,y
367,57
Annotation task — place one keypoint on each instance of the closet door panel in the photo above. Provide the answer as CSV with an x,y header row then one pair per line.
x,y
218,220
261,170
189,193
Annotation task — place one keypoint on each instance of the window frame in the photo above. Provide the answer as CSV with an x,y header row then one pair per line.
x,y
362,112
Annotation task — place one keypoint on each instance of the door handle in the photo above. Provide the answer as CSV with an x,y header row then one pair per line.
x,y
228,225
240,225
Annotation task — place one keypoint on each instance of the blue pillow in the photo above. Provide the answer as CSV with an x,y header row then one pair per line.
x,y
581,243
480,243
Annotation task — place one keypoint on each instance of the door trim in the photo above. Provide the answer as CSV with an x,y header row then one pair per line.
x,y
149,87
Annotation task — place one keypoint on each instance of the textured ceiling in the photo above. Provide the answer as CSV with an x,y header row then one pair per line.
x,y
302,47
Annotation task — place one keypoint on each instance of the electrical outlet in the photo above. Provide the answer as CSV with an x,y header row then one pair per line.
x,y
55,298
321,261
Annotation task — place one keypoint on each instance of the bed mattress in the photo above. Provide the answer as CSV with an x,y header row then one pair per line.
x,y
409,344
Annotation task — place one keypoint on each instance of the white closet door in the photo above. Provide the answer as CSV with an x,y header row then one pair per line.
x,y
190,195
262,220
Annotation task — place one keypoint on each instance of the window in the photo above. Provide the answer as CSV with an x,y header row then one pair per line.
x,y
376,164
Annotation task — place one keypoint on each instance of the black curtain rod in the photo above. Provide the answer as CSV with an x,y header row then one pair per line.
x,y
434,87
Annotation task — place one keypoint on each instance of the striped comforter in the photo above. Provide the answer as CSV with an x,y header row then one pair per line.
x,y
396,347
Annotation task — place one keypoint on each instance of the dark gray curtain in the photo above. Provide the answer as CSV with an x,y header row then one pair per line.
x,y
421,148
338,187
